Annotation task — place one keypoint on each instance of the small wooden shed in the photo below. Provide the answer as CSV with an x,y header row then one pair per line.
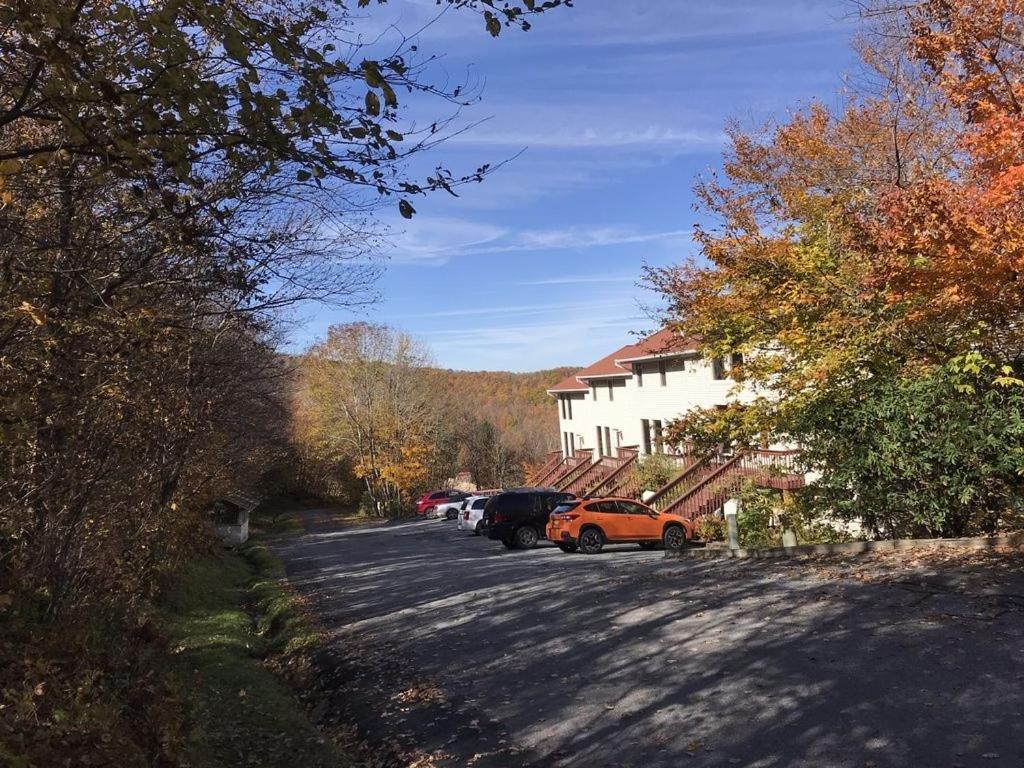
x,y
231,518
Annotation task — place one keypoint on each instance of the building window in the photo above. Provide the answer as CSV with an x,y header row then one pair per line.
x,y
718,368
572,444
608,441
561,405
565,443
645,430
659,441
568,406
611,392
663,372
639,370
735,359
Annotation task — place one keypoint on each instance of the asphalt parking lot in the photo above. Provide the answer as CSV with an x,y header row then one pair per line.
x,y
489,657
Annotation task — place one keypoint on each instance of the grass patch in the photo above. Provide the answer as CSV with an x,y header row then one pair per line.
x,y
229,623
276,519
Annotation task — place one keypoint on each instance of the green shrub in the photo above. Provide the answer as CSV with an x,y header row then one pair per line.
x,y
754,519
654,471
935,454
814,527
710,529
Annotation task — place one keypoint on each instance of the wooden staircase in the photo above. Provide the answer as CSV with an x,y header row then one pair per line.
x,y
626,484
583,459
565,465
692,475
586,483
554,458
611,484
720,479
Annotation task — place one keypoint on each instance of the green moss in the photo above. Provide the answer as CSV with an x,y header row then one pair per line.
x,y
241,713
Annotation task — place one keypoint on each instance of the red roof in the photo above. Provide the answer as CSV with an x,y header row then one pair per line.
x,y
569,384
664,342
606,367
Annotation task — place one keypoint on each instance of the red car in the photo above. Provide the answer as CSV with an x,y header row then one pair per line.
x,y
426,502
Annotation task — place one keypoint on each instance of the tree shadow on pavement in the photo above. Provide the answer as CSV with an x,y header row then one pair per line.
x,y
626,659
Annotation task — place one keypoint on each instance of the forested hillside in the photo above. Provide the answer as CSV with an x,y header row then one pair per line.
x,y
375,424
517,404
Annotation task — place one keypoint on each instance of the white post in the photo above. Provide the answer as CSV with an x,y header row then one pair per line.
x,y
731,508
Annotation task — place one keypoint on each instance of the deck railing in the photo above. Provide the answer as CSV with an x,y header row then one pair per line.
x,y
587,483
575,466
693,469
776,469
554,458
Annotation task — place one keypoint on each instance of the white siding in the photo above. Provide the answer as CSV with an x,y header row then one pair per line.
x,y
689,383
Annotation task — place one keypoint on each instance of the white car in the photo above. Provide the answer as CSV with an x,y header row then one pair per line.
x,y
472,514
448,510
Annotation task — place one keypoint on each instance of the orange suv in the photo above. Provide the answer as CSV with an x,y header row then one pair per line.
x,y
589,524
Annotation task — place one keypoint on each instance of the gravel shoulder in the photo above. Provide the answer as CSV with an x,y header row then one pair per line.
x,y
459,652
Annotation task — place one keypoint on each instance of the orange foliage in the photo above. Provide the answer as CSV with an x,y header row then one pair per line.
x,y
895,226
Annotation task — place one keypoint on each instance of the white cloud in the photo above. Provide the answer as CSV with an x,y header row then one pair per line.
x,y
582,279
588,135
576,340
436,241
625,303
433,240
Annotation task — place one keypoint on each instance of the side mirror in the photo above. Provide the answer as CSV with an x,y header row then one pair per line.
x,y
653,513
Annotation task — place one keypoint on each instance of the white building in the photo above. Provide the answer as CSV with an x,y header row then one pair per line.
x,y
615,411
628,398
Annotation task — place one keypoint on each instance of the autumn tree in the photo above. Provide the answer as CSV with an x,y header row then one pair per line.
x,y
171,175
866,264
362,398
489,457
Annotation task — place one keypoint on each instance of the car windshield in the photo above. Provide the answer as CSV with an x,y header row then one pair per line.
x,y
566,506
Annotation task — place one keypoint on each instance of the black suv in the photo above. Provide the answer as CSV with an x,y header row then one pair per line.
x,y
519,518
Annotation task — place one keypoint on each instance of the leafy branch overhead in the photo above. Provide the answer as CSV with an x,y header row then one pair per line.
x,y
191,91
172,175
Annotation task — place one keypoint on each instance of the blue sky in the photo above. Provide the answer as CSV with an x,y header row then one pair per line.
x,y
619,105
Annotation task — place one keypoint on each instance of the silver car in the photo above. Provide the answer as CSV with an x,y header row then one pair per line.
x,y
472,513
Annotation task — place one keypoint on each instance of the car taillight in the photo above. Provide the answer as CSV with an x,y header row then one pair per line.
x,y
465,515
566,516
499,518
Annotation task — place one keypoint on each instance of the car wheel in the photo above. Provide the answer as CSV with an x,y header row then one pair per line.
x,y
478,531
430,513
648,544
674,538
567,548
509,543
450,514
526,537
591,541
